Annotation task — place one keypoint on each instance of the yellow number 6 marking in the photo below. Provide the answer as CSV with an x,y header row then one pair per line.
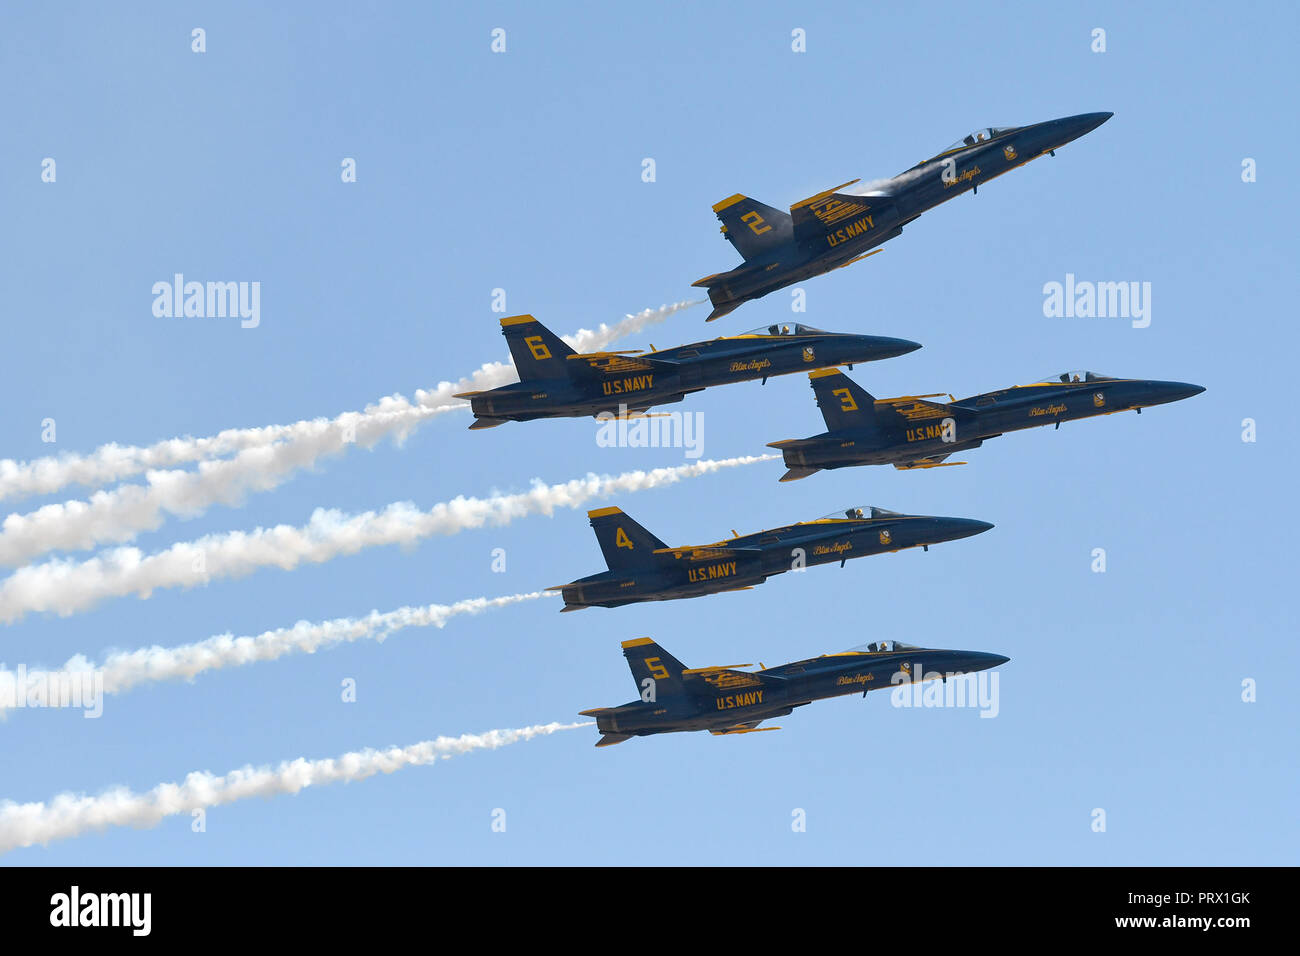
x,y
538,347
754,220
622,540
847,403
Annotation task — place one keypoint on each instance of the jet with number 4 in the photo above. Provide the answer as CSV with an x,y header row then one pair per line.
x,y
557,382
728,700
643,568
916,432
838,227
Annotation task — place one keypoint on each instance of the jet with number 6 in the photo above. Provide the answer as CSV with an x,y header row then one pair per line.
x,y
916,432
728,700
643,568
557,382
838,227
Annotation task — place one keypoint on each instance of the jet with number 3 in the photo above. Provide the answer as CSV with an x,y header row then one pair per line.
x,y
915,431
838,227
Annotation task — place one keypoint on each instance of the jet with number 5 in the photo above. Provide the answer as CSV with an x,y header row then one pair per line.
x,y
643,568
728,700
557,382
916,432
838,227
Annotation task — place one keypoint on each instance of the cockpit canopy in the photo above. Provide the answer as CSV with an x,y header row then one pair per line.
x,y
979,136
1078,375
858,514
785,328
881,647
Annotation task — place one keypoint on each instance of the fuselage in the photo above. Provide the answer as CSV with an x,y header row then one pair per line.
x,y
880,213
716,705
928,430
751,559
615,384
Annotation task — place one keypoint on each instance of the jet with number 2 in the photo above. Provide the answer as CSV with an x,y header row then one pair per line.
x,y
916,432
557,382
838,227
643,568
728,700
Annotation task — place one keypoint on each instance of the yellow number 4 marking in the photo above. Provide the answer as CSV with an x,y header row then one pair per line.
x,y
623,541
754,220
847,403
657,668
538,347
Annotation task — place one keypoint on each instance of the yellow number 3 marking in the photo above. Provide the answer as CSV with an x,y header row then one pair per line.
x,y
754,220
847,403
656,668
539,349
623,541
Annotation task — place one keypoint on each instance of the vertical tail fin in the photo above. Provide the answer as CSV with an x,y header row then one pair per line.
x,y
538,352
625,544
657,673
752,227
843,402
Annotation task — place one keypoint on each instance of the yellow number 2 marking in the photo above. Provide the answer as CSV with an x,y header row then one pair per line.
x,y
754,220
656,668
847,403
538,347
622,540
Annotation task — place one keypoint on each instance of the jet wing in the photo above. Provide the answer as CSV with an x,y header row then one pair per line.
x,y
916,407
729,678
939,461
834,213
934,461
709,552
591,363
748,727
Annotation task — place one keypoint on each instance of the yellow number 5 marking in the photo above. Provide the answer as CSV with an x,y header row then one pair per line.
x,y
539,349
847,403
656,668
622,540
754,220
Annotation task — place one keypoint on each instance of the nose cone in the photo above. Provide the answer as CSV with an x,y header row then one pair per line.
x,y
1070,128
965,527
1177,391
1160,393
951,529
872,348
982,662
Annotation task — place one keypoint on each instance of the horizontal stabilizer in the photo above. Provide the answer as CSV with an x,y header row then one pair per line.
x,y
794,474
486,423
608,740
726,309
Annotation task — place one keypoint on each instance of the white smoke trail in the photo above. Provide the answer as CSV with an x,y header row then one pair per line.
x,y
72,814
123,670
394,415
66,587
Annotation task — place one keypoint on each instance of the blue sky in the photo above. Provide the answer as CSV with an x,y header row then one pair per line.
x,y
522,171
